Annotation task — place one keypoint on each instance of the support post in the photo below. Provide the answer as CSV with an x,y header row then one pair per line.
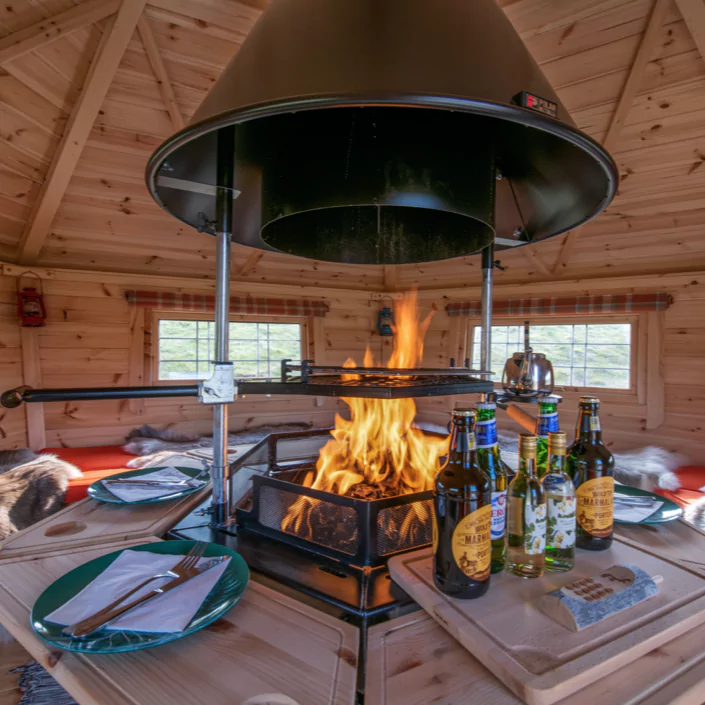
x,y
224,231
486,308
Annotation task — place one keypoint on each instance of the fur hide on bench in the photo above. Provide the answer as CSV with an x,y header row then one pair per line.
x,y
156,447
32,487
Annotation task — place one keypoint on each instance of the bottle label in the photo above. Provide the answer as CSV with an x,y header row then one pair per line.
x,y
499,514
486,433
529,522
472,547
595,423
534,529
560,526
548,423
595,506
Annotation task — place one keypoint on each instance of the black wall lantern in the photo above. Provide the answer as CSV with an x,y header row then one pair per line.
x,y
385,322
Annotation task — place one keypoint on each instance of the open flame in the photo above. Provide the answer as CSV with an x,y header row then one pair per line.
x,y
379,452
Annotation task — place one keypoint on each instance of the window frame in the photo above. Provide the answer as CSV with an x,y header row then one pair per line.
x,y
157,316
636,347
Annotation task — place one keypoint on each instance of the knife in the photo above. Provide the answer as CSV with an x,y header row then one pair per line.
x,y
636,501
89,625
153,483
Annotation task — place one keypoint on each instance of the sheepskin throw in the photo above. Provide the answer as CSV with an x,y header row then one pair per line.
x,y
32,487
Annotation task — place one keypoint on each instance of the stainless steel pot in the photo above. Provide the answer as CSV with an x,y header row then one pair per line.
x,y
527,373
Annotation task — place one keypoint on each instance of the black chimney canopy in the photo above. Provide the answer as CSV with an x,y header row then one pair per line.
x,y
385,132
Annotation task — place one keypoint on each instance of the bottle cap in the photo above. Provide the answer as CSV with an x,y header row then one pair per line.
x,y
527,445
589,400
556,442
465,413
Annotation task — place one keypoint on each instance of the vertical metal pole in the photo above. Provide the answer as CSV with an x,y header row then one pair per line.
x,y
486,308
224,232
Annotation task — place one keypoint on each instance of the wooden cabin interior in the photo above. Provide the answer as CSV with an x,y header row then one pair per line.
x,y
89,89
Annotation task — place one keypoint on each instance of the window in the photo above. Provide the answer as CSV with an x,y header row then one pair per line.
x,y
583,355
256,348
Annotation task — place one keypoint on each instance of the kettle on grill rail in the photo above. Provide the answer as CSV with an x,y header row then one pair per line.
x,y
527,373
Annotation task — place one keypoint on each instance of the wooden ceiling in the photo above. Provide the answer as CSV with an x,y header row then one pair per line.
x,y
89,89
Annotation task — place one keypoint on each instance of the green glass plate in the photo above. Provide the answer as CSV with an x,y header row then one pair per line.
x,y
226,592
670,511
98,491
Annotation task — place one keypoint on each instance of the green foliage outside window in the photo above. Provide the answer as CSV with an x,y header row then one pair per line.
x,y
585,355
256,349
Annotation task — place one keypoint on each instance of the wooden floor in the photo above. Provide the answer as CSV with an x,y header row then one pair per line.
x,y
12,655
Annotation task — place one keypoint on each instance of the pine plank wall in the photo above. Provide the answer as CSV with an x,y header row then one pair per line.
x,y
88,342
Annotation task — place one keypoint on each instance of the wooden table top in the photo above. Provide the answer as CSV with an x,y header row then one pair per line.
x,y
274,646
268,649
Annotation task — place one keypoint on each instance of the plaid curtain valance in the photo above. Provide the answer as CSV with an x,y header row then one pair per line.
x,y
553,306
203,303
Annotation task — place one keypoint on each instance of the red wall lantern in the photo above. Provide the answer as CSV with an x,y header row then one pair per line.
x,y
30,303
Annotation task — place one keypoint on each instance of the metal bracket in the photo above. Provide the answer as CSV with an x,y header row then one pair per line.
x,y
220,388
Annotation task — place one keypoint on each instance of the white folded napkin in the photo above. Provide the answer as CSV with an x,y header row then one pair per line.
x,y
170,612
634,512
136,493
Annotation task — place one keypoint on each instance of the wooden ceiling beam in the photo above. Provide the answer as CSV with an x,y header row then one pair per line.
x,y
693,12
624,104
155,60
250,264
636,73
533,259
107,58
53,28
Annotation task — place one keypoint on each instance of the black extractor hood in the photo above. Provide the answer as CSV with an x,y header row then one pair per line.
x,y
384,132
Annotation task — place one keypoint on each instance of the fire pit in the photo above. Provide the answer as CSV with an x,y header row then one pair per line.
x,y
360,532
366,494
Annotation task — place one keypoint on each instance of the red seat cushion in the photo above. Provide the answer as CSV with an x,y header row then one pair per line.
x,y
692,486
95,464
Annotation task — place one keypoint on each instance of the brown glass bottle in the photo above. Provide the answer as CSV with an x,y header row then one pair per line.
x,y
462,521
591,467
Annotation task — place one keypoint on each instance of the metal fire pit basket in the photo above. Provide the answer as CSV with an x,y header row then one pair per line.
x,y
355,531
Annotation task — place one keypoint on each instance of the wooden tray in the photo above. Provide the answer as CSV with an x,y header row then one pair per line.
x,y
267,645
90,523
411,660
539,660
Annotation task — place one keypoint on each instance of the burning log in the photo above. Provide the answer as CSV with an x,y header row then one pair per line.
x,y
365,490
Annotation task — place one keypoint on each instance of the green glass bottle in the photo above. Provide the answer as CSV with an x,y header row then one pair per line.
x,y
591,466
489,460
526,516
560,506
548,423
462,516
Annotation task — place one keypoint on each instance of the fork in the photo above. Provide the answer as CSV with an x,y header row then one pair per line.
x,y
180,570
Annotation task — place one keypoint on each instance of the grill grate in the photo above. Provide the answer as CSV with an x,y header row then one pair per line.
x,y
388,382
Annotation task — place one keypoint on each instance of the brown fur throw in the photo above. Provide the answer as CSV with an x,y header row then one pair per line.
x,y
158,447
32,487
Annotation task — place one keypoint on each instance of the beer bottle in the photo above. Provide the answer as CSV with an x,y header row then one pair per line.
x,y
462,516
489,460
560,506
526,517
548,423
591,466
